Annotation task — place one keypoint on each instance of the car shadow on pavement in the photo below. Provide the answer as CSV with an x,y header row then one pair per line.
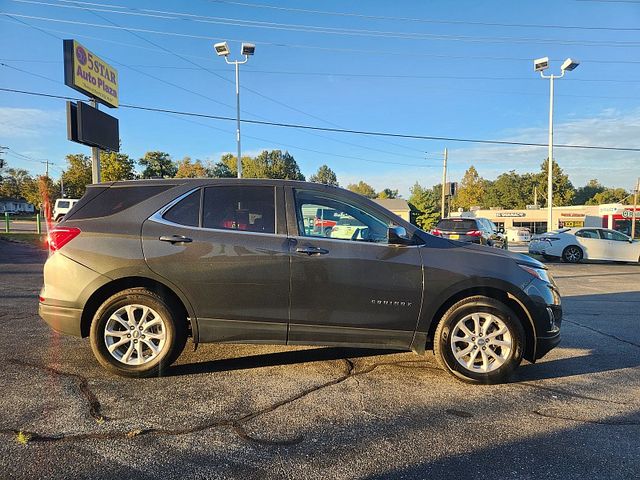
x,y
274,359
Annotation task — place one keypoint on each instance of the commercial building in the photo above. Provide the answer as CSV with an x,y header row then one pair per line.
x,y
399,206
612,215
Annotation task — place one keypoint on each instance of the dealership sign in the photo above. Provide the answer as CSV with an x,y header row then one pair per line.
x,y
511,214
86,72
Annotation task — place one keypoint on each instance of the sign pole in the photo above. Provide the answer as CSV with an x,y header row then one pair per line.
x,y
635,205
95,155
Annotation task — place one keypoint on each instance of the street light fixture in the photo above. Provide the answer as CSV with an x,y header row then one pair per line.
x,y
222,50
540,65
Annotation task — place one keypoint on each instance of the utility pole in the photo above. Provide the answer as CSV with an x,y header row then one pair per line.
x,y
535,195
550,165
635,205
2,149
46,162
444,181
95,154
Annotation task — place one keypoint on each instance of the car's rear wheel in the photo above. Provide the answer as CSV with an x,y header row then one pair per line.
x,y
137,333
572,254
479,340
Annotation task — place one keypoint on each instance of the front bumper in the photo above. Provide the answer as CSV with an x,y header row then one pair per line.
x,y
546,313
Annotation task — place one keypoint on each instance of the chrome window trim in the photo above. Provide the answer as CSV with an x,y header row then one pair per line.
x,y
157,217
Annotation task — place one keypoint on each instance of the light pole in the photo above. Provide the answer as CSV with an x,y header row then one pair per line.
x,y
540,65
222,49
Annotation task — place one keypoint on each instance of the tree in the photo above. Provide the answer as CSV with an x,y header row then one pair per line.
x,y
424,207
220,170
41,191
188,169
13,182
157,164
510,190
586,193
388,193
609,195
77,176
273,164
363,189
324,175
471,191
116,166
563,190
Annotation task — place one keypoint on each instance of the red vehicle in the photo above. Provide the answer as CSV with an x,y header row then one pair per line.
x,y
325,220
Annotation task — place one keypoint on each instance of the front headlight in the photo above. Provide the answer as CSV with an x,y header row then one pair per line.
x,y
540,273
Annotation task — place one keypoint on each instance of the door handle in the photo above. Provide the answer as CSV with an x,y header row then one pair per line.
x,y
312,251
175,239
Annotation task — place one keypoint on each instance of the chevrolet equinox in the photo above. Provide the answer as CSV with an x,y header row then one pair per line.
x,y
139,266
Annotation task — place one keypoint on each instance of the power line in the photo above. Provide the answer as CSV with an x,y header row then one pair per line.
x,y
434,21
357,51
340,130
333,31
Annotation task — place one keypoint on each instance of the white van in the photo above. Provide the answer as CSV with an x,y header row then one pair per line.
x,y
62,206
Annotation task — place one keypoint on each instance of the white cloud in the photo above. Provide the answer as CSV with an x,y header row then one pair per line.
x,y
609,128
28,122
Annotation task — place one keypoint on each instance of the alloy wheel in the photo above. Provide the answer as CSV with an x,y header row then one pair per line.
x,y
135,334
481,342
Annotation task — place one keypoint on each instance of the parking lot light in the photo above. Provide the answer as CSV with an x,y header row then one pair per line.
x,y
540,65
222,50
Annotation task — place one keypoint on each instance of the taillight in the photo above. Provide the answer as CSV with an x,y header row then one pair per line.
x,y
436,232
60,236
474,233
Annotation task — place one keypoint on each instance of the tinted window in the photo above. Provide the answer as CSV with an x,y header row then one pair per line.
x,y
64,204
249,209
114,200
186,211
613,235
587,234
456,225
344,222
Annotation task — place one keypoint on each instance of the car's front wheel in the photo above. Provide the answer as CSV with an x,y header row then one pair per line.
x,y
137,333
479,340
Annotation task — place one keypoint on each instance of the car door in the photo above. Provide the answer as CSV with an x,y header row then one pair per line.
x,y
619,247
358,290
226,248
592,245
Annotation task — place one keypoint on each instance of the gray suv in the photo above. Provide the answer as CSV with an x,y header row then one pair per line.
x,y
140,266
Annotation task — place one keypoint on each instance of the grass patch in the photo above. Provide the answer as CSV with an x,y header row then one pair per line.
x,y
23,438
29,238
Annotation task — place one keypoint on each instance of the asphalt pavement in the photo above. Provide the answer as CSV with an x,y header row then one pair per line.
x,y
247,411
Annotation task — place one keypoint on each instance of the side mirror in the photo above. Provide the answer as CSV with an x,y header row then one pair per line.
x,y
398,236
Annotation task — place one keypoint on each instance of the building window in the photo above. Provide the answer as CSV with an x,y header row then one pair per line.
x,y
534,227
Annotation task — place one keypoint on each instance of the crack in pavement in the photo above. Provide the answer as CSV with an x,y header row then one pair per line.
x,y
601,332
82,384
585,420
237,424
568,394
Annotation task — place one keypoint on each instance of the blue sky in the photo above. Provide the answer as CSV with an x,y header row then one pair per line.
x,y
443,69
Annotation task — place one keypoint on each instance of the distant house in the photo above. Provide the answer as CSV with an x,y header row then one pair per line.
x,y
15,205
399,206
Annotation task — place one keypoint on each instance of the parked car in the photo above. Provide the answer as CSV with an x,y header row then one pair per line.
x,y
576,244
518,234
349,229
473,230
62,207
325,220
139,266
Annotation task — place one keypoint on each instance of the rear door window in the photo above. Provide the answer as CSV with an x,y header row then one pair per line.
x,y
250,209
587,234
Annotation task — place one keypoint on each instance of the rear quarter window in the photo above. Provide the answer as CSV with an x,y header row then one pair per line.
x,y
114,200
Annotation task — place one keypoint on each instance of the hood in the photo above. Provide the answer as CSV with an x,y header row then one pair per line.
x,y
498,252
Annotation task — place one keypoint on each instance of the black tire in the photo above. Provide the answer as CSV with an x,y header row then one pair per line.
x,y
572,254
173,327
444,350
